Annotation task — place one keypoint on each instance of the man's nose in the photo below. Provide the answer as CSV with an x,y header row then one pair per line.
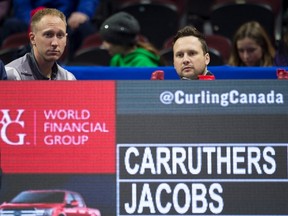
x,y
186,58
54,41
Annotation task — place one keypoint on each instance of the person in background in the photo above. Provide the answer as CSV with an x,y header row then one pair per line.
x,y
251,46
3,74
190,54
79,15
48,39
281,57
119,34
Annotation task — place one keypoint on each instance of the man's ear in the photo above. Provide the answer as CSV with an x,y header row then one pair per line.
x,y
207,58
32,38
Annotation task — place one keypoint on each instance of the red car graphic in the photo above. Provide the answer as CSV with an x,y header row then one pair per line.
x,y
47,203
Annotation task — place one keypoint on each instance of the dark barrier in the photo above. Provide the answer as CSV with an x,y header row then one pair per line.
x,y
144,73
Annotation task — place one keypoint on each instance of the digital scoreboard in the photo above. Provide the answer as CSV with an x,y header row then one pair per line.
x,y
202,148
149,147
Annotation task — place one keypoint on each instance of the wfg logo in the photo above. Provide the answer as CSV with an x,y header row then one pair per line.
x,y
7,122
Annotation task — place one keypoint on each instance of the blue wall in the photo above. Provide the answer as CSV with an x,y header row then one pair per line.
x,y
144,73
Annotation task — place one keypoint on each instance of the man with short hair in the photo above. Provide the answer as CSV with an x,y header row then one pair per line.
x,y
48,39
190,54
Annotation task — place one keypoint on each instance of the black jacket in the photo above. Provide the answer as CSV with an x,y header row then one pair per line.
x,y
3,74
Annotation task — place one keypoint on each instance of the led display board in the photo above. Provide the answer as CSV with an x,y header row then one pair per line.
x,y
149,147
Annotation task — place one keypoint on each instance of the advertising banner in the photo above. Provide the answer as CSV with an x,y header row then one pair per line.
x,y
144,147
58,127
58,137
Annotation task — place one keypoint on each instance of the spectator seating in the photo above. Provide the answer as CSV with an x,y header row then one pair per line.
x,y
16,40
216,59
91,53
275,5
157,20
93,40
167,56
90,56
8,55
179,5
220,43
198,13
14,46
227,18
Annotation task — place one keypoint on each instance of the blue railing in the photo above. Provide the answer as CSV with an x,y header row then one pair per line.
x,y
144,73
